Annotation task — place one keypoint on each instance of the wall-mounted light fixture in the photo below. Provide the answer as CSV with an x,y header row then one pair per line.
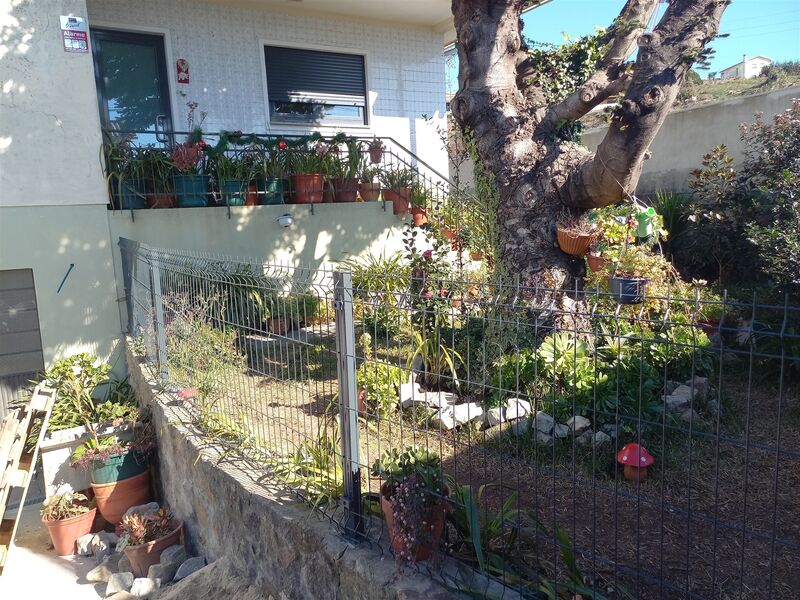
x,y
285,220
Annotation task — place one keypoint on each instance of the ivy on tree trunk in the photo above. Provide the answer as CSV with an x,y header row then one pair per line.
x,y
538,173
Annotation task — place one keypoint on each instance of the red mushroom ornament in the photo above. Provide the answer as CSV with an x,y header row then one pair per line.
x,y
636,460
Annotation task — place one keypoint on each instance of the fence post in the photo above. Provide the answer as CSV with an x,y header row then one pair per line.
x,y
348,406
158,307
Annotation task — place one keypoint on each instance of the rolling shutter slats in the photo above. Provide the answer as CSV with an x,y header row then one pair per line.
x,y
295,75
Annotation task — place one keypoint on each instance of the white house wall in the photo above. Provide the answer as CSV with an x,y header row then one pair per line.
x,y
224,47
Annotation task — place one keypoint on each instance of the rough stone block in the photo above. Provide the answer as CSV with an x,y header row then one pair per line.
x,y
451,417
190,566
600,438
143,587
124,565
560,431
119,582
585,439
175,554
494,416
517,408
578,424
142,509
543,422
700,386
84,544
103,571
163,572
520,426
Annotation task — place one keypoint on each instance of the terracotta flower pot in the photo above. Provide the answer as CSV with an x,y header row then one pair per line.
x,y
345,190
447,233
113,499
369,192
362,402
419,215
434,516
307,188
399,198
575,244
280,325
162,201
375,153
476,255
143,556
597,263
327,192
65,532
251,196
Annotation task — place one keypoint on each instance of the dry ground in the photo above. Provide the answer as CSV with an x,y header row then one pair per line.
x,y
717,518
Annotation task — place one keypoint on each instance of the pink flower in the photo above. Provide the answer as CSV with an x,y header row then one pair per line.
x,y
187,393
427,255
282,145
427,294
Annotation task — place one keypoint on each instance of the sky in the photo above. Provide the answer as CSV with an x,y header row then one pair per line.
x,y
767,27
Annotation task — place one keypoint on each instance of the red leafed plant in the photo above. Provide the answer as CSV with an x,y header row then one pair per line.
x,y
187,157
140,529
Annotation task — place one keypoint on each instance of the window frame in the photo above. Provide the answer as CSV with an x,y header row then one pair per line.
x,y
294,125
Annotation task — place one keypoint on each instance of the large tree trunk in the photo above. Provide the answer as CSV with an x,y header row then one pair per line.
x,y
538,175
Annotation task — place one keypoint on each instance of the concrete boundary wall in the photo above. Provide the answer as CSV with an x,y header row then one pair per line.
x,y
690,133
279,545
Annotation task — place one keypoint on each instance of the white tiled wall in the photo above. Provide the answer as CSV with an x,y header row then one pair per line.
x,y
224,44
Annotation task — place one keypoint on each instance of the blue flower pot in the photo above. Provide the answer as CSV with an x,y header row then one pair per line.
x,y
627,290
117,468
233,191
272,189
127,194
191,191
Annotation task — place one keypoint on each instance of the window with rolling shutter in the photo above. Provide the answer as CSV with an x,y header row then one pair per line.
x,y
311,86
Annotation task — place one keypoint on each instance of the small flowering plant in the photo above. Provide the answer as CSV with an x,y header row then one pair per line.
x,y
140,529
189,157
275,159
413,497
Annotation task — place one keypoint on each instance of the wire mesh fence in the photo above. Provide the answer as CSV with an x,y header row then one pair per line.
x,y
511,442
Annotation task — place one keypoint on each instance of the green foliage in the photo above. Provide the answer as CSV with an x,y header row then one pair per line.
x,y
396,178
440,360
64,506
380,381
201,354
315,468
140,529
560,70
396,466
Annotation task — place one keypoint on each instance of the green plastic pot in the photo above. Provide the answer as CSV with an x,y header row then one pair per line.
x,y
191,191
273,190
117,468
232,191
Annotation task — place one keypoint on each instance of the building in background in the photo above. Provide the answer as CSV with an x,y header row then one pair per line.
x,y
748,68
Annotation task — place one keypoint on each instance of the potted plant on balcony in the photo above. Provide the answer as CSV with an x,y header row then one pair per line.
x,y
597,262
308,168
233,175
375,150
419,204
575,233
191,184
123,172
370,188
397,189
413,501
345,171
273,168
145,537
67,517
157,171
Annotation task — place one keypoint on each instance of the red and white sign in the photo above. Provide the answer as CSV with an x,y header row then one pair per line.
x,y
74,34
182,66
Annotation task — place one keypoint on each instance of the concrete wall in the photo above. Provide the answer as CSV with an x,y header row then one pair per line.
x,y
688,134
269,543
224,45
52,193
50,128
83,316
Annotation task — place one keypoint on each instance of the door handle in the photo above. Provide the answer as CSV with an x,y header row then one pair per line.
x,y
161,135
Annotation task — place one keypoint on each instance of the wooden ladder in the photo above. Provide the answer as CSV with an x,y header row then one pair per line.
x,y
16,461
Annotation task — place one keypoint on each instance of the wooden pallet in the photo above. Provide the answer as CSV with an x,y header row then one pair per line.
x,y
17,463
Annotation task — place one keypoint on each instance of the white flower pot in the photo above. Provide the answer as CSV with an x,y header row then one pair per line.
x,y
58,474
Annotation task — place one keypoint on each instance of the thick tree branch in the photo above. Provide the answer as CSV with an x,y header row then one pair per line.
x,y
665,56
611,77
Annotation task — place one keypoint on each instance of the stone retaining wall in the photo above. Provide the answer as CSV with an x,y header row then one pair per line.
x,y
274,542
